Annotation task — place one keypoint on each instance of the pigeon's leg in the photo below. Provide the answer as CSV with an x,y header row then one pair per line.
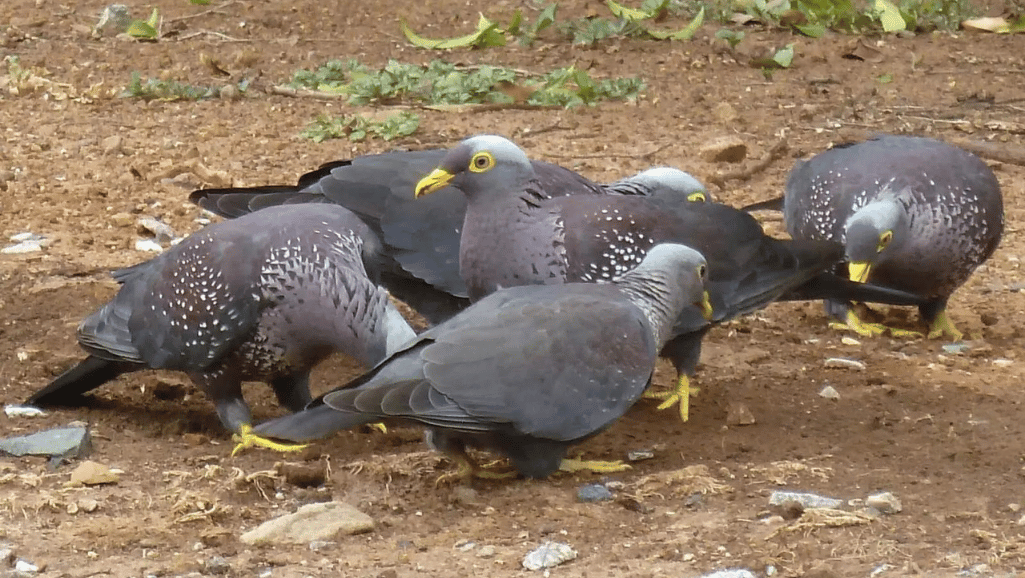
x,y
225,388
292,391
867,329
596,466
466,467
935,312
679,394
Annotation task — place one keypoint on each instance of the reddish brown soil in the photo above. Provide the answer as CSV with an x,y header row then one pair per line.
x,y
943,432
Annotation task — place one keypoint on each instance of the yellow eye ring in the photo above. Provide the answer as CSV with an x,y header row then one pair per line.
x,y
697,197
482,162
884,240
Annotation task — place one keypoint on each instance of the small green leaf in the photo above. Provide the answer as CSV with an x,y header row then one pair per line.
x,y
1018,25
199,2
688,31
514,25
140,29
889,16
154,18
784,56
486,35
885,78
620,11
545,19
811,30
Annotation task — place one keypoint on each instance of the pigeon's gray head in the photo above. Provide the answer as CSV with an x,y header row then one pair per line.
x,y
670,183
487,162
873,233
670,278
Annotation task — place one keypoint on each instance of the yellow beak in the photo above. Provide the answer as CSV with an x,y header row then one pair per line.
x,y
438,179
706,307
859,271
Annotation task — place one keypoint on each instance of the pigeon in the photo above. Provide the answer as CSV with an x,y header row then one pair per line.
x,y
515,234
914,214
527,371
421,239
263,297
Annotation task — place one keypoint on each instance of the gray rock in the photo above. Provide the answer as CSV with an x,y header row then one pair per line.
x,y
829,392
114,20
321,521
736,573
487,551
640,455
805,500
13,410
593,493
318,545
845,363
885,502
548,555
218,565
65,442
160,230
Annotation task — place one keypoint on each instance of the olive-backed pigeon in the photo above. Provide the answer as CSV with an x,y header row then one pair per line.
x,y
526,371
914,214
263,297
515,235
421,239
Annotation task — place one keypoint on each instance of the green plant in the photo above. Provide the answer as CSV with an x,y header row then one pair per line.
x,y
145,29
443,83
356,127
156,89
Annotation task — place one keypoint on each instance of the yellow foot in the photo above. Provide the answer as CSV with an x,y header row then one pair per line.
x,y
245,438
467,470
866,329
942,325
596,466
379,426
680,394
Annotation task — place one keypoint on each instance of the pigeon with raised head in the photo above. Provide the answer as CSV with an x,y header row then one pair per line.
x,y
421,239
526,371
263,297
514,234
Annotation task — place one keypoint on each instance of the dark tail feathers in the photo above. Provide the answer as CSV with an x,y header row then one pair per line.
x,y
90,373
769,205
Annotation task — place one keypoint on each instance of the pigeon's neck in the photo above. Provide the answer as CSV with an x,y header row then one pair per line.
x,y
651,291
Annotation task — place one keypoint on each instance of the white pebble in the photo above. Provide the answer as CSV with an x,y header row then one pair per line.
x,y
23,411
32,246
885,502
1001,362
549,555
829,392
845,363
148,245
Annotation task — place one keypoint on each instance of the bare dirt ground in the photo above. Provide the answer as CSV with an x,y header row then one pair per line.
x,y
944,432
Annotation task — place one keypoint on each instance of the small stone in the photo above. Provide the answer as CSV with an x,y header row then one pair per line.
x,y
1001,362
956,348
988,319
26,236
88,505
159,229
465,545
90,473
592,493
318,545
122,219
640,455
847,340
829,392
725,113
845,363
23,248
548,555
23,411
885,502
805,500
26,567
67,442
218,565
148,246
230,92
114,20
487,551
6,555
738,573
112,144
726,149
320,521
308,475
738,413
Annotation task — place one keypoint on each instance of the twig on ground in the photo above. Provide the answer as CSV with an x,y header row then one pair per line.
x,y
776,153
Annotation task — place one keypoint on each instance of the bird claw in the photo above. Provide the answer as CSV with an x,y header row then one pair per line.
x,y
942,325
379,426
596,466
680,394
245,438
467,470
866,329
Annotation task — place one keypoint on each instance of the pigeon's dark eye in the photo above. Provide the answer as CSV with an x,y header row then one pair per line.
x,y
884,240
481,162
702,270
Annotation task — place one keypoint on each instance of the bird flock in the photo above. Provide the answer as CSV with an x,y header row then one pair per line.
x,y
549,297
